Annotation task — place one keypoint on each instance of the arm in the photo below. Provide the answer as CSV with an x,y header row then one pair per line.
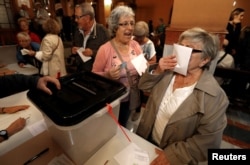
x,y
48,46
19,56
14,127
11,84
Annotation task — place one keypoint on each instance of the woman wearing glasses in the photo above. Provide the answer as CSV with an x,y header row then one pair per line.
x,y
109,64
184,115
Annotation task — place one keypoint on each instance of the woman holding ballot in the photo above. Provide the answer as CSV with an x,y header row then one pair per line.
x,y
113,59
185,114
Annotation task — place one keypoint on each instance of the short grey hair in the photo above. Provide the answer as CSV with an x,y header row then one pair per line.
x,y
115,15
141,29
210,42
23,35
87,9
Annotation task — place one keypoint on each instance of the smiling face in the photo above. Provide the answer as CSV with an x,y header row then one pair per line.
x,y
196,61
125,29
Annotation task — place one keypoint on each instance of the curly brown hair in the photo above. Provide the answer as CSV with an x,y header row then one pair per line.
x,y
51,26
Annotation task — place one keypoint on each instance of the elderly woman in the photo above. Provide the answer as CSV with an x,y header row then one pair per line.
x,y
26,49
108,62
141,34
51,52
24,27
184,115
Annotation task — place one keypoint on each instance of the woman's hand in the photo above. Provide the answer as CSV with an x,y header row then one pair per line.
x,y
114,72
32,53
166,63
14,109
161,159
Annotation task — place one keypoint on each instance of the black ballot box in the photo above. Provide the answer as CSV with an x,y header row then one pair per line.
x,y
76,115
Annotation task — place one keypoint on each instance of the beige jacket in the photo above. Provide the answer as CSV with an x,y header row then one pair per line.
x,y
197,124
52,55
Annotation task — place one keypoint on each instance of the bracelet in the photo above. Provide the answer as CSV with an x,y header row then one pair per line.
x,y
2,110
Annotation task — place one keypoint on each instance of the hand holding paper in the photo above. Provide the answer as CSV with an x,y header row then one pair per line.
x,y
182,54
25,51
83,57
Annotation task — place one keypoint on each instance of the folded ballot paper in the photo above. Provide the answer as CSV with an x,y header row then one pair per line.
x,y
24,51
140,64
132,155
83,57
183,55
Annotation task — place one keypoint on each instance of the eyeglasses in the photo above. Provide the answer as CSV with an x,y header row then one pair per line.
x,y
197,51
126,24
78,17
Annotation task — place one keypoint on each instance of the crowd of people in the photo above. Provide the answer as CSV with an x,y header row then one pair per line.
x,y
184,115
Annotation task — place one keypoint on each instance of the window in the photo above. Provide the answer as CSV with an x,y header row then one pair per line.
x,y
6,15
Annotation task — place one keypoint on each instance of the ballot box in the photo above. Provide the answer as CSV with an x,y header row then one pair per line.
x,y
77,116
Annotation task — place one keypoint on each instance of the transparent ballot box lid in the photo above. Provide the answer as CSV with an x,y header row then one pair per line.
x,y
81,95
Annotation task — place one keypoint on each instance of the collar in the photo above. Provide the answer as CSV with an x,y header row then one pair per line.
x,y
93,30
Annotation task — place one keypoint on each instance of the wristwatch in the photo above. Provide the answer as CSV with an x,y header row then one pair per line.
x,y
4,134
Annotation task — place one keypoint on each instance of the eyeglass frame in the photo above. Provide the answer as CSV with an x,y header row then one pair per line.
x,y
196,51
79,17
126,24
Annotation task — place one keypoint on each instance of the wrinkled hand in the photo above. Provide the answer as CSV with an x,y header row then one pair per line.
x,y
43,81
161,159
32,53
88,52
16,126
114,73
166,63
14,109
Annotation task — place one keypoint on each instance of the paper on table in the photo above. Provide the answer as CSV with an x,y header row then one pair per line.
x,y
24,51
183,55
61,160
37,127
140,64
83,57
132,154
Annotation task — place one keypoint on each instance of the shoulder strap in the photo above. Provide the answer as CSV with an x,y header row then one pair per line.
x,y
222,58
120,57
56,45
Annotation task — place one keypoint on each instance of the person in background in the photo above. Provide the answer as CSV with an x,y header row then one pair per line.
x,y
150,28
185,114
141,33
89,35
24,27
107,62
40,17
160,31
11,84
26,49
51,52
231,40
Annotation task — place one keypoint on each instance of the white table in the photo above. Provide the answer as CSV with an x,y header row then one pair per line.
x,y
26,70
107,152
117,144
32,113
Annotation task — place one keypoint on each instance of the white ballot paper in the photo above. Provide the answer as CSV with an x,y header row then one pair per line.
x,y
132,155
83,57
140,64
183,55
24,51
